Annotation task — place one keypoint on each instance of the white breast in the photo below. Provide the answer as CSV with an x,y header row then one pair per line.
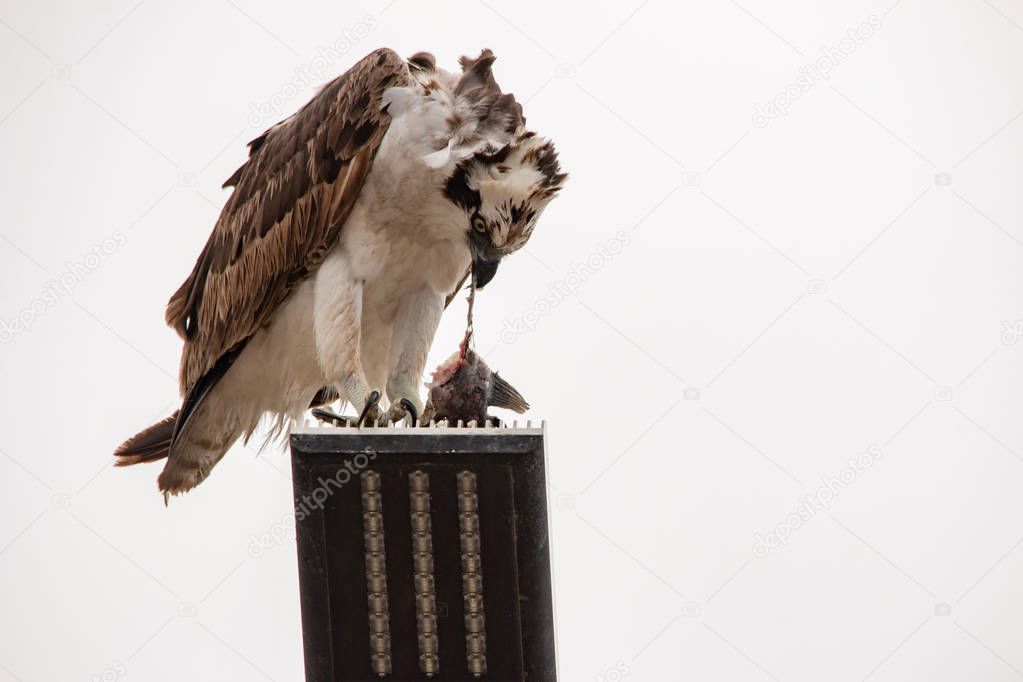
x,y
403,232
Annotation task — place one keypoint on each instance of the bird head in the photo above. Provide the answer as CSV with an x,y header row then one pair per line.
x,y
502,191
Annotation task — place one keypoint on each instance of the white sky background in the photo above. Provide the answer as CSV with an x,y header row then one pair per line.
x,y
791,294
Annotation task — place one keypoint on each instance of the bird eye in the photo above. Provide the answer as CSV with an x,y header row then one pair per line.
x,y
479,224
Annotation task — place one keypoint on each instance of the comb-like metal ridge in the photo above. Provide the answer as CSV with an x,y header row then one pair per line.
x,y
472,574
421,427
376,574
422,576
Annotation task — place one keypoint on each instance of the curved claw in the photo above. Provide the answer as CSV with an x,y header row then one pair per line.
x,y
371,401
327,416
411,409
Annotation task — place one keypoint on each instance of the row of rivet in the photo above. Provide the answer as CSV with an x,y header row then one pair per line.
x,y
472,574
422,572
376,574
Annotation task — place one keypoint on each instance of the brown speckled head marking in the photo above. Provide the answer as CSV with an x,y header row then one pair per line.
x,y
507,187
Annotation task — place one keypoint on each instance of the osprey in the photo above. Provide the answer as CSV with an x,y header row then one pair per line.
x,y
351,226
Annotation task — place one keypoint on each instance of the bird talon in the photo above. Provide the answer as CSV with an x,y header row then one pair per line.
x,y
411,409
371,402
329,417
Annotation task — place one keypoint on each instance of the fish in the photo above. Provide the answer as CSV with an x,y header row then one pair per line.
x,y
464,386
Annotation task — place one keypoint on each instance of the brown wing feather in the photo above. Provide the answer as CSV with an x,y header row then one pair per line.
x,y
291,198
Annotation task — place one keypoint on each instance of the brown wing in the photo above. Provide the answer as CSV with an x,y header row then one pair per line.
x,y
291,199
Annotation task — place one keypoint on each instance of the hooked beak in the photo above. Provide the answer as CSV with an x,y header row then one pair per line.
x,y
483,271
484,264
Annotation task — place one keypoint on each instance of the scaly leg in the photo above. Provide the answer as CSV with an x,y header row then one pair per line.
x,y
337,321
414,328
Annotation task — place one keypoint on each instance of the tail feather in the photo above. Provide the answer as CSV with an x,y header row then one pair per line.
x,y
149,445
190,464
505,395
